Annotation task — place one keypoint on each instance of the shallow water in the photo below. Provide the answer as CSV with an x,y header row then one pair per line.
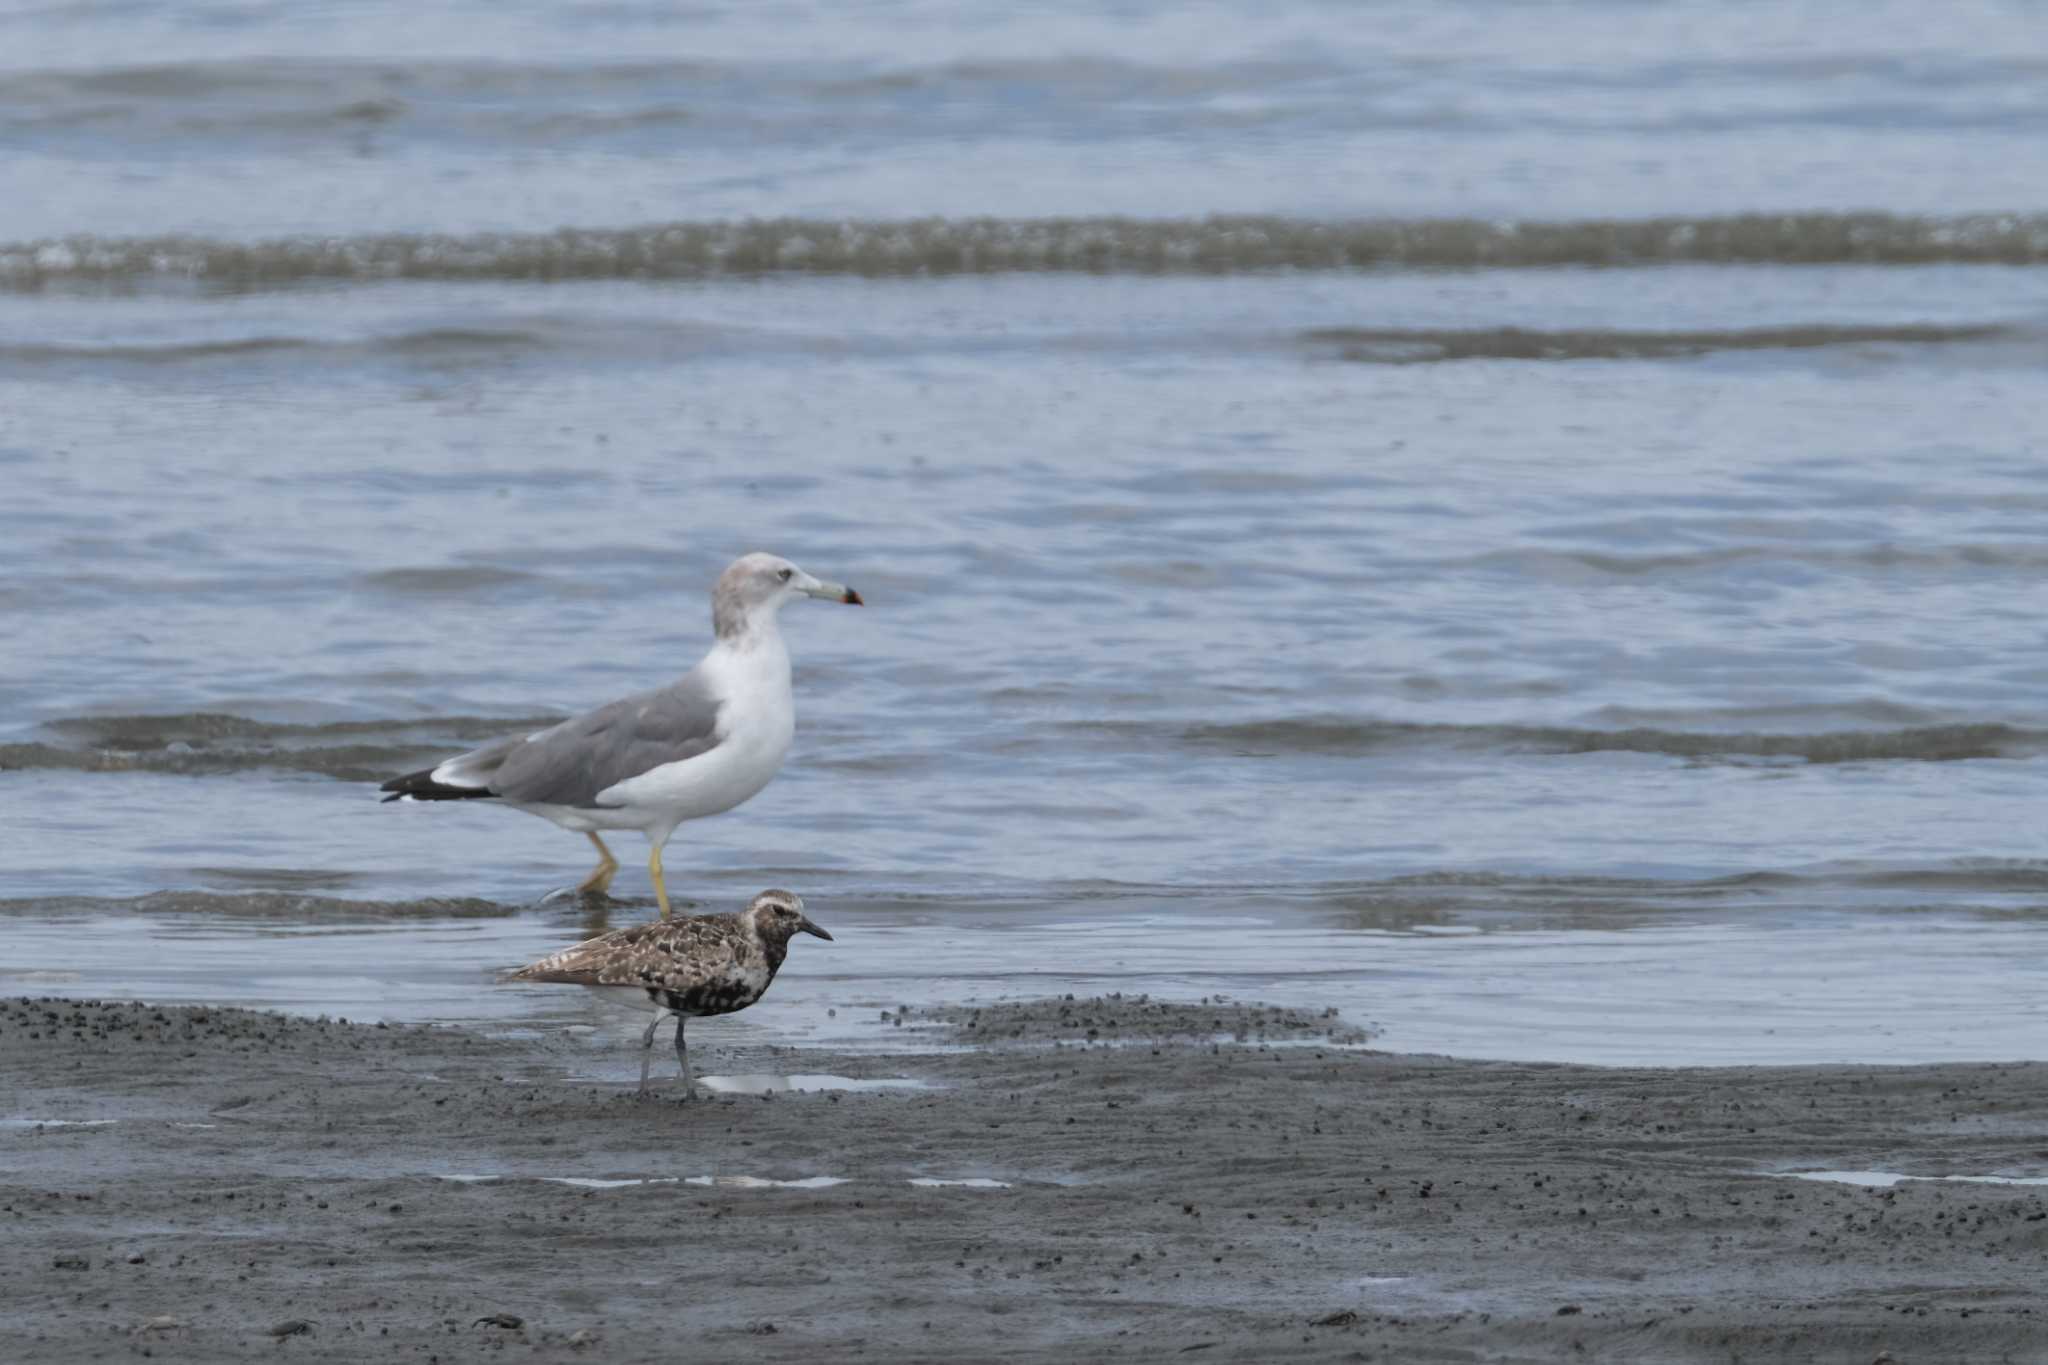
x,y
1558,578
1622,973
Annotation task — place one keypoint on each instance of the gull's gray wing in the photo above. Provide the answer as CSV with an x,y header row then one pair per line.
x,y
569,764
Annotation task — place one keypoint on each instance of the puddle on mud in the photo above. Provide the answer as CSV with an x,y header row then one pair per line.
x,y
763,1083
584,1182
1884,1180
729,1182
30,1125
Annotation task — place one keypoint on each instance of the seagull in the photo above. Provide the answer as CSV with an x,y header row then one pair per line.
x,y
701,745
700,965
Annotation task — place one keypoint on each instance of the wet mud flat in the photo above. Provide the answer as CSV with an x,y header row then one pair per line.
x,y
1125,1179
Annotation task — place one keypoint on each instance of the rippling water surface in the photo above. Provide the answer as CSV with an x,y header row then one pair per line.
x,y
1524,527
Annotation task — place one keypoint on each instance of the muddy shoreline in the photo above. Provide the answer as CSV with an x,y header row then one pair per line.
x,y
1155,1181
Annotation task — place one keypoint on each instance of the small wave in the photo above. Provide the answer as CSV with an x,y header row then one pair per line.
x,y
208,744
1975,874
967,246
1867,713
1524,891
296,879
1582,565
1929,743
669,342
255,93
1400,346
147,731
170,353
426,342
262,905
348,762
431,340
445,580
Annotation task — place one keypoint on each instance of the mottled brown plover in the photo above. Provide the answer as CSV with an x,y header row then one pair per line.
x,y
706,964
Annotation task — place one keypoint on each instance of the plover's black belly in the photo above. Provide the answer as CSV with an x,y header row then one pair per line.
x,y
713,997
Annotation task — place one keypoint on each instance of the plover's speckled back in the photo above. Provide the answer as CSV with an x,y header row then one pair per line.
x,y
706,964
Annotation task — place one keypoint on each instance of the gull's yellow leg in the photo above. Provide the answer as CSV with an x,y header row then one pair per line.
x,y
600,880
660,886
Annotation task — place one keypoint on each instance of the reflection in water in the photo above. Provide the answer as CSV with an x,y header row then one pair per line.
x,y
597,914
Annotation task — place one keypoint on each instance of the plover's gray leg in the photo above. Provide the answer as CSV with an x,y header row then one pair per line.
x,y
647,1049
683,1056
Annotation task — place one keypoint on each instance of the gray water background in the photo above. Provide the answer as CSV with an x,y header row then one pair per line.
x,y
1522,524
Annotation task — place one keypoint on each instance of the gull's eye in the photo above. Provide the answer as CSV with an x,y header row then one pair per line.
x,y
785,574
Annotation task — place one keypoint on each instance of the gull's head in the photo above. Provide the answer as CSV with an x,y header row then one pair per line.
x,y
755,586
778,916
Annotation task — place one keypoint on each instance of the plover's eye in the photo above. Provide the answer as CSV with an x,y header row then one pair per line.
x,y
785,574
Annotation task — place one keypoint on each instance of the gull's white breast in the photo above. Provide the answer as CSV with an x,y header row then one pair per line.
x,y
756,725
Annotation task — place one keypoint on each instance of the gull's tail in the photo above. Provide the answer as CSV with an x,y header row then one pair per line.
x,y
421,786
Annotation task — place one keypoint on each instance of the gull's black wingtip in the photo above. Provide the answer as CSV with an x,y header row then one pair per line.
x,y
421,786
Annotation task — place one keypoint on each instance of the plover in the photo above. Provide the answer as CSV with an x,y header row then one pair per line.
x,y
701,745
701,965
